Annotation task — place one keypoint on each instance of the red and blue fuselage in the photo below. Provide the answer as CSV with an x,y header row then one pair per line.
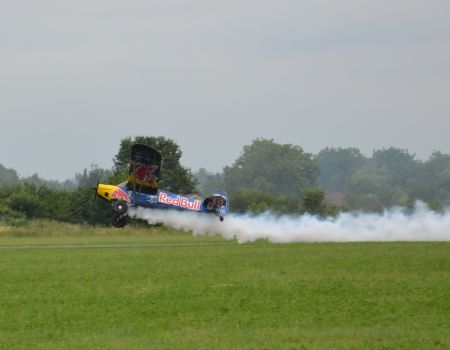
x,y
217,203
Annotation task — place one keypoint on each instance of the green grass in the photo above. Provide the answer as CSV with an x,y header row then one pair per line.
x,y
84,288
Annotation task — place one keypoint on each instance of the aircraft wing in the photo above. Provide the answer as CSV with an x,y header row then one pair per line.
x,y
145,167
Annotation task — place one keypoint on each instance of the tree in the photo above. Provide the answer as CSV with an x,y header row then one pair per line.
x,y
431,182
26,202
8,176
368,189
83,209
385,180
90,177
337,165
314,201
397,163
271,167
256,202
174,176
52,184
208,181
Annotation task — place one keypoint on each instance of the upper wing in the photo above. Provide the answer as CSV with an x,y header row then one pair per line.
x,y
144,172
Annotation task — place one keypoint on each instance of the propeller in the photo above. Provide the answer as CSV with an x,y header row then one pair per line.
x,y
96,190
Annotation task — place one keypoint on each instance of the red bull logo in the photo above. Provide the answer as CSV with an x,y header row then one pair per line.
x,y
120,194
145,173
179,201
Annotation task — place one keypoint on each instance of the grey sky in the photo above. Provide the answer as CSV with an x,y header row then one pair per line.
x,y
77,76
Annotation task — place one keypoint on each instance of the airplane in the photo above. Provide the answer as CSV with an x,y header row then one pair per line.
x,y
141,189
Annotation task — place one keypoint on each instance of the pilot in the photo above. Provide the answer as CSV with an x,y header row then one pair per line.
x,y
214,203
218,202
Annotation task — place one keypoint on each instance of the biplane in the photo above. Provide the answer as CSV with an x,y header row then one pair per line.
x,y
141,189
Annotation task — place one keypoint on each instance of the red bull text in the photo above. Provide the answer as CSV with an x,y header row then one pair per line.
x,y
179,201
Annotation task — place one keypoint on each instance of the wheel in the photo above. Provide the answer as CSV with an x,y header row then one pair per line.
x,y
120,207
221,218
119,220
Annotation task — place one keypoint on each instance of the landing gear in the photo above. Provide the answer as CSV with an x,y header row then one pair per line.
x,y
221,218
120,207
119,220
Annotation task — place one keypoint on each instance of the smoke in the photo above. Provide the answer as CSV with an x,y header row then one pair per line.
x,y
394,224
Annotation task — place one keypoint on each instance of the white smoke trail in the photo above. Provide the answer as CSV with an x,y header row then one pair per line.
x,y
392,225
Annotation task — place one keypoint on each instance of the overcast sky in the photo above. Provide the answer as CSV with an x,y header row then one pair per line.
x,y
77,76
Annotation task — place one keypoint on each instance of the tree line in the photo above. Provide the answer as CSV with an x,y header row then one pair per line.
x,y
285,179
267,176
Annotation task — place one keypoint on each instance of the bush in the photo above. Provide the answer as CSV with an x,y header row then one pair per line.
x,y
11,217
25,203
257,202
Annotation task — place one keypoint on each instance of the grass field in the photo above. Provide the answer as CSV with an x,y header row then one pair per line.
x,y
69,287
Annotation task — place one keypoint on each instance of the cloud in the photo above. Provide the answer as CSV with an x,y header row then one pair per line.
x,y
313,73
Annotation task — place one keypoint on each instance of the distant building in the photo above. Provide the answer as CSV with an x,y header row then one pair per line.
x,y
336,199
